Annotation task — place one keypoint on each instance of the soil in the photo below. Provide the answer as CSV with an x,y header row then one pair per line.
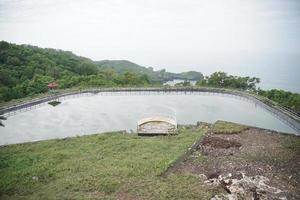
x,y
255,153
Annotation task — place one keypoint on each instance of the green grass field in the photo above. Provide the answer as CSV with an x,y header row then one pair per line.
x,y
102,166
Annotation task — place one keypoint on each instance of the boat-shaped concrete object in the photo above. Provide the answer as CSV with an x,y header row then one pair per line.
x,y
157,125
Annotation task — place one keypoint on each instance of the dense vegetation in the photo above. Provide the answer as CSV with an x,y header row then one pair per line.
x,y
221,79
26,70
284,98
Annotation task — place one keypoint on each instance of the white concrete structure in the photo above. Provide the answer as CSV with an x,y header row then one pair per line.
x,y
157,125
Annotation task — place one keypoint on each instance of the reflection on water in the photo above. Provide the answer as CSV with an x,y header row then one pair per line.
x,y
175,81
98,113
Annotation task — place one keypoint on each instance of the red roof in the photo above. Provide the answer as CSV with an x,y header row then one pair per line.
x,y
52,85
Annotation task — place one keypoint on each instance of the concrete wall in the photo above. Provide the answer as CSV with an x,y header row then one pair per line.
x,y
156,128
285,115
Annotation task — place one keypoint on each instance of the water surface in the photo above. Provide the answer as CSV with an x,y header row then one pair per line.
x,y
118,111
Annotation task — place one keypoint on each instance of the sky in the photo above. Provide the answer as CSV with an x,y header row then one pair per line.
x,y
250,37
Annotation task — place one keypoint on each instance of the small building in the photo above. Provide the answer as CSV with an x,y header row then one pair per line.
x,y
52,86
158,125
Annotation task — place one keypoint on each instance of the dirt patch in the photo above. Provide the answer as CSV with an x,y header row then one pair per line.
x,y
125,196
216,142
216,146
253,158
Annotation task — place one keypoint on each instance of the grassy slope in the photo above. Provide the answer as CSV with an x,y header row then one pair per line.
x,y
223,127
105,166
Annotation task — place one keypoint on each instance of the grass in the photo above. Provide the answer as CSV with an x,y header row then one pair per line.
x,y
222,127
102,166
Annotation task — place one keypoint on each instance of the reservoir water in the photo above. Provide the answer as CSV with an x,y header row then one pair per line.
x,y
97,113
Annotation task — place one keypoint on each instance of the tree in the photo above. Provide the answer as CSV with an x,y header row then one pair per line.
x,y
87,68
221,79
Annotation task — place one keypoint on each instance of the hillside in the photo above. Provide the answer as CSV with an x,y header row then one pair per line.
x,y
26,70
122,66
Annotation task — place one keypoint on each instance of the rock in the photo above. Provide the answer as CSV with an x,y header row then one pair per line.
x,y
213,174
247,187
202,177
212,182
225,197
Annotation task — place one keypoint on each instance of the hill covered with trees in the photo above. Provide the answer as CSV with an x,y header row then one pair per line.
x,y
122,66
26,70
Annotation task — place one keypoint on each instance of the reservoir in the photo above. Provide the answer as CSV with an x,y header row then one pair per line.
x,y
112,111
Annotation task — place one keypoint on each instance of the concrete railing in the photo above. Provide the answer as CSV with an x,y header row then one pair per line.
x,y
158,119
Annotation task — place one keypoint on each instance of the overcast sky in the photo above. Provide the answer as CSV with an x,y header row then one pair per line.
x,y
237,36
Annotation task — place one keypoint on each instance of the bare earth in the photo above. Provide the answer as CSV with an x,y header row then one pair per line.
x,y
247,163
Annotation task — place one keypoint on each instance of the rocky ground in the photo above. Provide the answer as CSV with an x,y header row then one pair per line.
x,y
238,162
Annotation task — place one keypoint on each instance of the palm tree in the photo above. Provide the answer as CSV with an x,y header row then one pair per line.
x,y
2,118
